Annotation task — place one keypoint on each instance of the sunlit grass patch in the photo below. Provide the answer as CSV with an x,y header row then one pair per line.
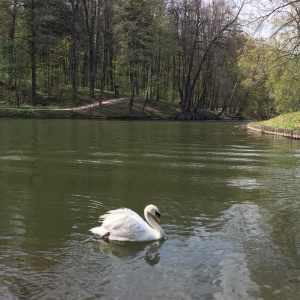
x,y
285,121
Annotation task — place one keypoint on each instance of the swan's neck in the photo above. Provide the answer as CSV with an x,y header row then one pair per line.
x,y
154,225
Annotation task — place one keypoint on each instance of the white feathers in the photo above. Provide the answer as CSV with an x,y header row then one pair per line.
x,y
124,224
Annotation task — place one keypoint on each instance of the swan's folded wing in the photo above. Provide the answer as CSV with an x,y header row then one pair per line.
x,y
118,214
113,212
124,224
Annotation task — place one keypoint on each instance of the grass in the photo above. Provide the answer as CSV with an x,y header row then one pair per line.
x,y
114,110
47,107
286,121
152,110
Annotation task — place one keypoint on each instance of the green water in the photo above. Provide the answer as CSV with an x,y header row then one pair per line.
x,y
229,200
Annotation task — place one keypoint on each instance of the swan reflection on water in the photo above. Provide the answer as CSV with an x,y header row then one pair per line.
x,y
121,250
124,234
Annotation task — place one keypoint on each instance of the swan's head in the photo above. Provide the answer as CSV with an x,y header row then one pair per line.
x,y
154,211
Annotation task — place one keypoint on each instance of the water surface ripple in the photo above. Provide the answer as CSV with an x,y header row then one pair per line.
x,y
229,200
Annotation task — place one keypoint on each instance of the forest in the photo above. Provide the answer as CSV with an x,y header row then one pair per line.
x,y
200,54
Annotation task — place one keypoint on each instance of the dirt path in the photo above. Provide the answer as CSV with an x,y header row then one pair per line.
x,y
105,102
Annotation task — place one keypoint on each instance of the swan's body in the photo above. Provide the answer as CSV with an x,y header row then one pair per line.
x,y
124,224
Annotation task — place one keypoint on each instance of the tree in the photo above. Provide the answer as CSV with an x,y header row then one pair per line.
x,y
11,8
283,83
166,50
30,7
254,67
107,45
46,21
138,36
199,26
9,46
282,18
74,46
92,27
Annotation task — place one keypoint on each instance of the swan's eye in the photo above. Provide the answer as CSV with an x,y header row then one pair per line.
x,y
157,214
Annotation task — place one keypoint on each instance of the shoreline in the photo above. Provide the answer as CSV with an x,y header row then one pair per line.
x,y
113,109
294,134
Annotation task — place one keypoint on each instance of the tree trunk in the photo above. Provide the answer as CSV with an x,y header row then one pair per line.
x,y
33,51
74,51
90,21
228,102
132,88
33,72
11,48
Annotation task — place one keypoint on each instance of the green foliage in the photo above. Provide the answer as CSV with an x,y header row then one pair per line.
x,y
284,84
166,50
137,38
254,66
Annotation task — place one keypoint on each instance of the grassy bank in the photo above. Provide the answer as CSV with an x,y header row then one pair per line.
x,y
286,125
111,109
63,106
289,121
115,109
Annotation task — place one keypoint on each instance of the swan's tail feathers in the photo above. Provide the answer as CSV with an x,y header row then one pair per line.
x,y
100,232
103,217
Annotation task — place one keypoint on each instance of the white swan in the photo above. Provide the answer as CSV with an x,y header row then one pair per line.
x,y
124,224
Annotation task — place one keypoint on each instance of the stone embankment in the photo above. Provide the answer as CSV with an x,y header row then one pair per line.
x,y
295,134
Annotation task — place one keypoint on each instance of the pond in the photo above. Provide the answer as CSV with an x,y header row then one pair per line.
x,y
229,201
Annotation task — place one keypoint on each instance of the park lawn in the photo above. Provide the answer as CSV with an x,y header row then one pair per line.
x,y
285,121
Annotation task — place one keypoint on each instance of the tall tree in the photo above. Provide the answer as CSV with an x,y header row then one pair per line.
x,y
8,19
92,11
74,46
199,26
254,67
11,9
107,45
282,19
137,29
46,21
283,83
31,7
